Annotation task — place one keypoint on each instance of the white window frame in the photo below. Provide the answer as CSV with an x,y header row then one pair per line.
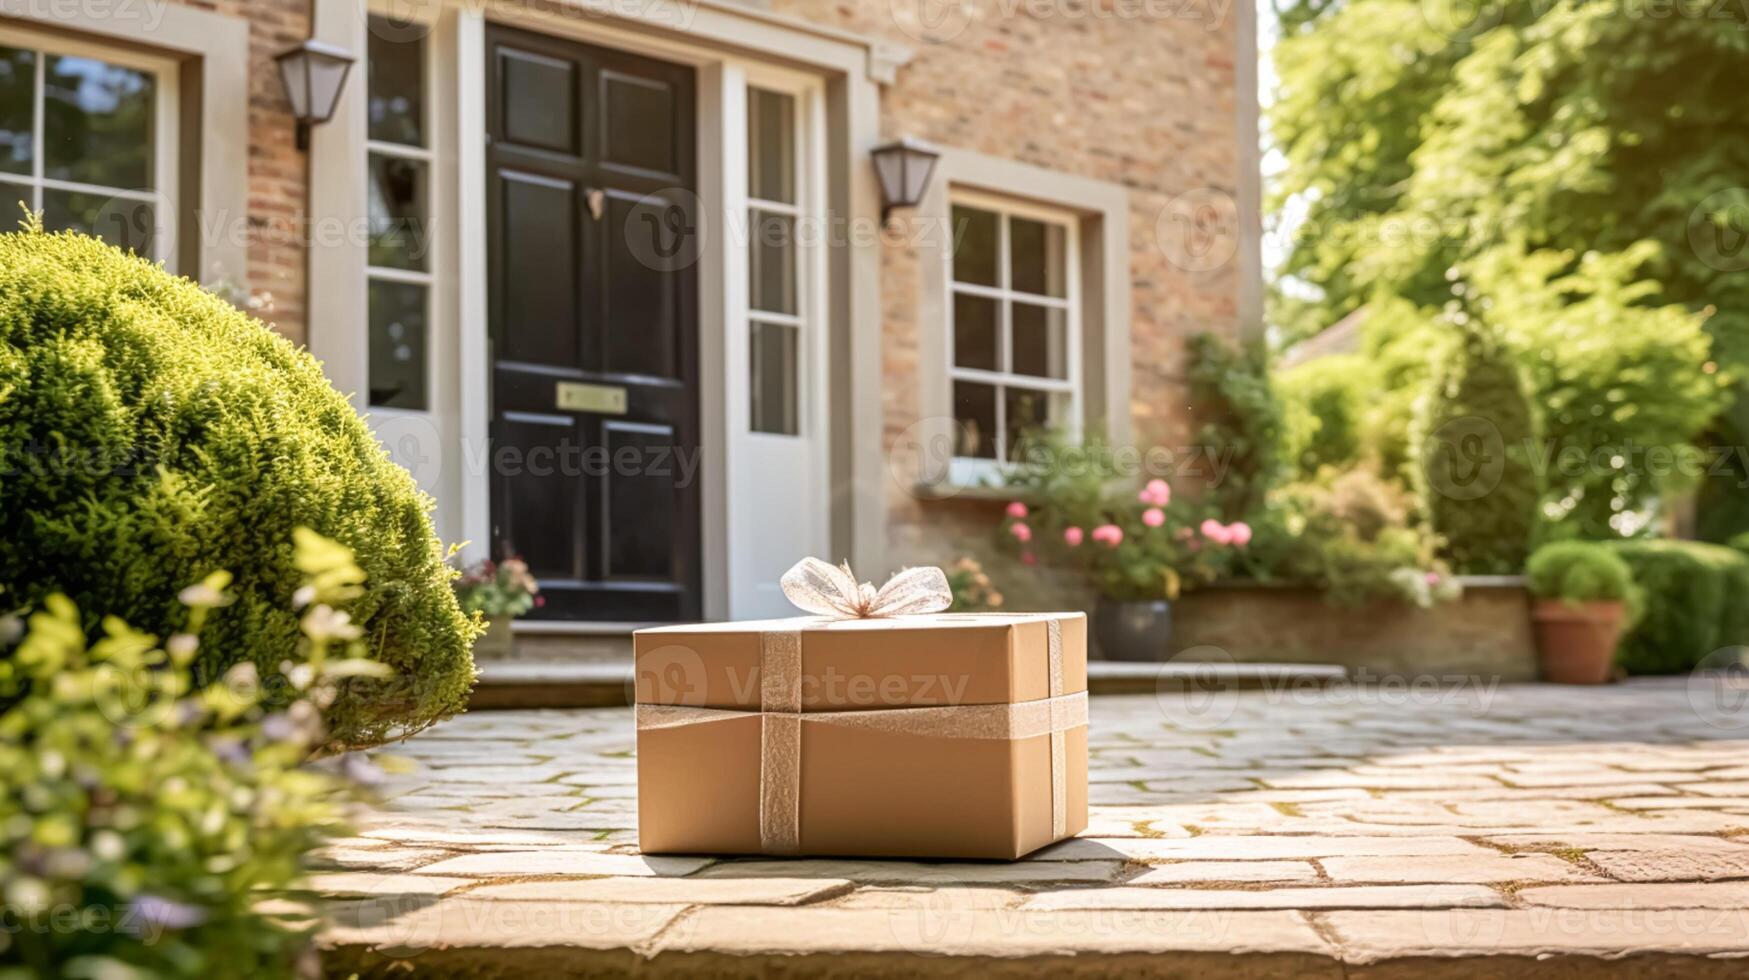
x,y
165,132
426,278
966,470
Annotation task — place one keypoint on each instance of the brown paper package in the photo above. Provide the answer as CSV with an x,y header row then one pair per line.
x,y
863,792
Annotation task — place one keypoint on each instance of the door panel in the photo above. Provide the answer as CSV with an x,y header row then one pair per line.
x,y
591,172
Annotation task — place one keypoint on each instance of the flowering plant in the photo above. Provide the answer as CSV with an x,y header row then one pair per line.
x,y
142,818
1133,543
972,588
496,589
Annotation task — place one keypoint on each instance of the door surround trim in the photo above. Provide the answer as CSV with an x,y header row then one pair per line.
x,y
716,38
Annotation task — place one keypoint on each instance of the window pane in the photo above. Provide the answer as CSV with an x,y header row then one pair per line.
x,y
974,250
1040,341
774,378
975,331
126,223
17,108
771,146
974,408
1037,257
97,125
397,344
397,212
397,86
1028,413
772,262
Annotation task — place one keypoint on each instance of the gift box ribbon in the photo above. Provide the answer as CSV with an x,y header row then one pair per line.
x,y
833,592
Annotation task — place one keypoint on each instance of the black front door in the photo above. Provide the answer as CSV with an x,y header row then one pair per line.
x,y
594,326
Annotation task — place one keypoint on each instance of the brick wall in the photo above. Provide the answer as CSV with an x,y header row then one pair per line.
x,y
277,170
1139,94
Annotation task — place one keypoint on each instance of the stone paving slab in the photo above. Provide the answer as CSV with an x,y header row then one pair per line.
x,y
1490,832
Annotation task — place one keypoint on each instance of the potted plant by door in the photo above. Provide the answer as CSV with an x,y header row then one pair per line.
x,y
1582,594
499,591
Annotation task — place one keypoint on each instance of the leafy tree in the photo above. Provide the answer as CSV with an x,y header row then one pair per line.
x,y
1421,136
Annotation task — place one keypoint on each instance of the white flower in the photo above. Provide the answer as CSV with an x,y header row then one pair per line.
x,y
201,596
324,622
303,597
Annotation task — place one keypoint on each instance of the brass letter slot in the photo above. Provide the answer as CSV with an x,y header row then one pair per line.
x,y
599,399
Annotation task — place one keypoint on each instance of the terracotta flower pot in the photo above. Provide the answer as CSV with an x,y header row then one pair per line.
x,y
1576,640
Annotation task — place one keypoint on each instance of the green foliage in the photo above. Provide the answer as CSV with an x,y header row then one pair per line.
x,y
154,434
1239,422
143,820
1422,135
1324,406
1579,571
1620,381
1693,603
1474,436
1352,535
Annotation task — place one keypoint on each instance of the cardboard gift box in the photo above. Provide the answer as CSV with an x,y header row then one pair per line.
x,y
943,736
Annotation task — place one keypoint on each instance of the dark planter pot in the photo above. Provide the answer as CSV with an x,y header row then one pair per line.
x,y
1135,631
1576,641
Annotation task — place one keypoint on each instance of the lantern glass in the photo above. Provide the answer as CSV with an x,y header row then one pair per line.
x,y
313,74
904,169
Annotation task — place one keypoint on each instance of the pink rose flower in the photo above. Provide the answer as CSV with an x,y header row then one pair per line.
x,y
1017,510
1216,531
1239,533
1073,536
1109,535
1153,517
1432,578
1021,532
1159,492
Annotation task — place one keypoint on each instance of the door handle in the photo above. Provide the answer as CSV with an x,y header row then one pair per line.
x,y
597,198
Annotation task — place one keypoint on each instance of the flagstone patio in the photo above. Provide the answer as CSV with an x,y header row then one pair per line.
x,y
1327,831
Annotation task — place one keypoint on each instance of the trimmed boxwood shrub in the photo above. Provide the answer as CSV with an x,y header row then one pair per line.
x,y
1473,437
1696,601
1579,571
154,434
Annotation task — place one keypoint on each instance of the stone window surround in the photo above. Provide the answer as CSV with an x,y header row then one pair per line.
x,y
211,52
1103,213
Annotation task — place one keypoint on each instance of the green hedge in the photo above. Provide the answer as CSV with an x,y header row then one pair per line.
x,y
1325,403
153,434
1696,601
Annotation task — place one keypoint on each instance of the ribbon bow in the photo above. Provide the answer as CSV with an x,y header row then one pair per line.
x,y
825,590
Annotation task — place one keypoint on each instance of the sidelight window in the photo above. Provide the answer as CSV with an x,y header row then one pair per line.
x,y
775,307
398,181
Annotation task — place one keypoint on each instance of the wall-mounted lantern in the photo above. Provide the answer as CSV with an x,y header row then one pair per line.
x,y
904,168
313,74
